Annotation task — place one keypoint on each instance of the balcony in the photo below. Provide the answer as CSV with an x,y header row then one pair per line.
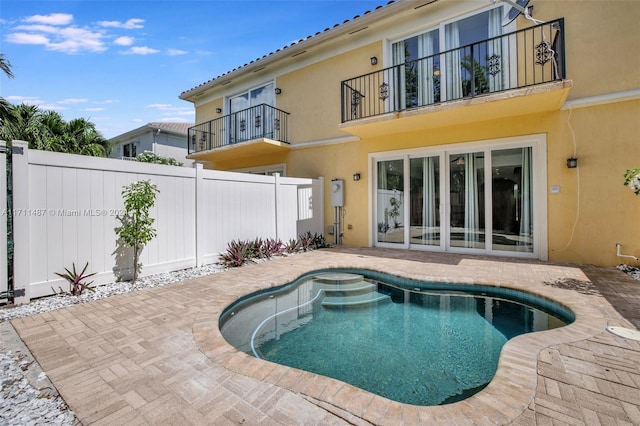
x,y
514,74
258,130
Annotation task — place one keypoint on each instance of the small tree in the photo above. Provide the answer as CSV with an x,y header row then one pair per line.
x,y
137,230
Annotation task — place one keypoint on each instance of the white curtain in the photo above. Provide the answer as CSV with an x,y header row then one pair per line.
x,y
471,191
494,49
452,62
399,77
425,69
429,218
526,225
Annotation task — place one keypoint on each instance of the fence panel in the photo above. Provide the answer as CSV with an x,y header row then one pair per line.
x,y
74,203
71,205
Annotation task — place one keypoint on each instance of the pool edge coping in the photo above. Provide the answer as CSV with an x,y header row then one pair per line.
x,y
516,375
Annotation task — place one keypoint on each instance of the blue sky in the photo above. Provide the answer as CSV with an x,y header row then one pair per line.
x,y
123,63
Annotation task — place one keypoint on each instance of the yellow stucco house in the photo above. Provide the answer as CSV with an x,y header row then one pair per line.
x,y
481,127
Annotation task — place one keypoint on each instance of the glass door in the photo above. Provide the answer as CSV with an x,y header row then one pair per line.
x,y
480,200
424,193
512,200
237,118
390,198
466,200
247,119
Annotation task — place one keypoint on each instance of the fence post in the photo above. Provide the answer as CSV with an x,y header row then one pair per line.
x,y
21,234
319,201
200,214
278,211
4,272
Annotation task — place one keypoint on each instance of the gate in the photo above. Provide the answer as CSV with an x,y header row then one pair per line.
x,y
7,293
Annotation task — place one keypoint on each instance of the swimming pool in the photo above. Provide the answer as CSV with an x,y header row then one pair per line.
x,y
420,343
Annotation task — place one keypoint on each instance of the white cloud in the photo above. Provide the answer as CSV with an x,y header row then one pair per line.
x,y
176,52
94,109
107,101
24,38
173,120
124,41
160,106
29,100
72,101
52,19
58,38
131,24
140,50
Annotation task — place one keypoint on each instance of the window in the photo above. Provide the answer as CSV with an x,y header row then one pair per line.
x,y
248,121
425,76
129,150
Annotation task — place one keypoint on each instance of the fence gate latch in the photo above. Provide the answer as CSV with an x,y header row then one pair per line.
x,y
14,150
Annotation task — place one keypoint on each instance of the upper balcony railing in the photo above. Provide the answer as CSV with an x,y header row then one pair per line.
x,y
260,121
523,58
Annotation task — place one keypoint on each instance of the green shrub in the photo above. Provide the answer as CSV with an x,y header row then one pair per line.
x,y
150,157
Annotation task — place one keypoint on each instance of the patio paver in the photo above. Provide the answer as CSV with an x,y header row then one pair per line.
x,y
157,357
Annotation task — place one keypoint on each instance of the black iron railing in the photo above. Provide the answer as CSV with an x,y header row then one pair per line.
x,y
523,58
260,121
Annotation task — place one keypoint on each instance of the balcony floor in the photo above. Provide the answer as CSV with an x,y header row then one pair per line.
x,y
510,103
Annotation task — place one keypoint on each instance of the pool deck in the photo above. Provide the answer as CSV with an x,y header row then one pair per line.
x,y
157,356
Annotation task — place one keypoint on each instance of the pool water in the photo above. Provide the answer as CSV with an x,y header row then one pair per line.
x,y
414,345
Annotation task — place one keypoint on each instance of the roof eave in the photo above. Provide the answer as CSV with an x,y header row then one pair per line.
x,y
336,31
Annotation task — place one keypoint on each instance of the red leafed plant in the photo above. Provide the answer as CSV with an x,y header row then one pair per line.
x,y
76,280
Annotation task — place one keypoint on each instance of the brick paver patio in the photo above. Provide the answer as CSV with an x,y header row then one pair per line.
x,y
157,356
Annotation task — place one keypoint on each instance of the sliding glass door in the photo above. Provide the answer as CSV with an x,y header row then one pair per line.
x,y
466,200
476,201
390,202
512,200
424,215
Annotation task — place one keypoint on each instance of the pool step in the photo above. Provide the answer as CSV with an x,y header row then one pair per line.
x,y
338,278
355,300
344,289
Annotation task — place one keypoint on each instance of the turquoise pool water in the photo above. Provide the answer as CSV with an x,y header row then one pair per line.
x,y
413,342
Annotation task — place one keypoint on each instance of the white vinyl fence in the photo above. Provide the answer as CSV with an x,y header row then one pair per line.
x,y
66,208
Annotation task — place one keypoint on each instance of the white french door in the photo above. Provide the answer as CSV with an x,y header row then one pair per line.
x,y
246,122
470,200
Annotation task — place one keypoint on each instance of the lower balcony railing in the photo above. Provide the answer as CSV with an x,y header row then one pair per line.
x,y
523,58
260,121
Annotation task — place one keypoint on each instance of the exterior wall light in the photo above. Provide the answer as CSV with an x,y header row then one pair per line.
x,y
278,90
356,176
572,162
218,110
374,60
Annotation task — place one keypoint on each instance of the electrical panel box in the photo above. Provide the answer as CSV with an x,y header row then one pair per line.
x,y
337,193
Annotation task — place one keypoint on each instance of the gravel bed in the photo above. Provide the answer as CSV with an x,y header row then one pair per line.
x,y
27,397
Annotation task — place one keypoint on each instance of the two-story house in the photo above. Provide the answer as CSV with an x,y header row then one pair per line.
x,y
480,127
164,139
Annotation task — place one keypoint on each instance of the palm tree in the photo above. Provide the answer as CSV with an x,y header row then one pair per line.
x,y
5,107
47,131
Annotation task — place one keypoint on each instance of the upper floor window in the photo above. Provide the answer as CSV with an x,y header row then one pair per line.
x,y
425,76
259,95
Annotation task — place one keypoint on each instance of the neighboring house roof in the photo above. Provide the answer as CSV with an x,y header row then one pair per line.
x,y
178,129
354,25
